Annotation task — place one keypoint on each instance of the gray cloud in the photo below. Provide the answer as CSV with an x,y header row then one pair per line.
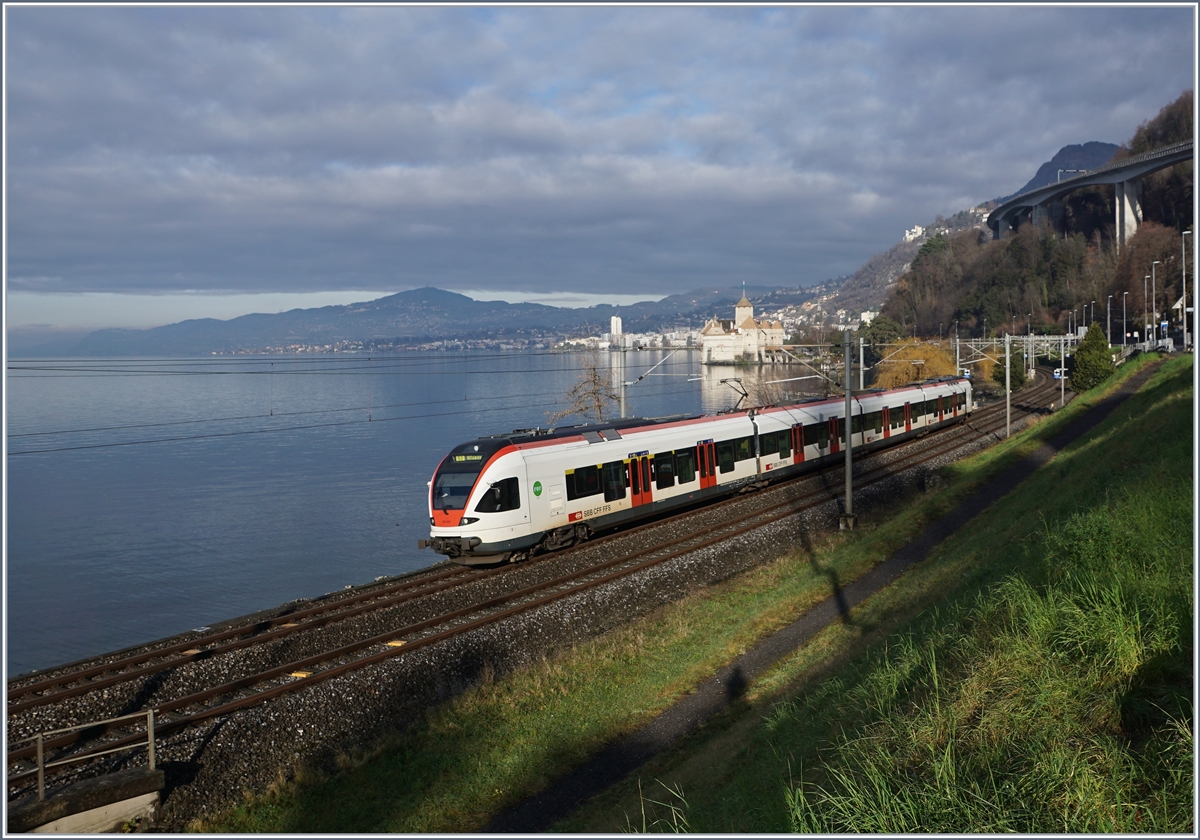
x,y
642,149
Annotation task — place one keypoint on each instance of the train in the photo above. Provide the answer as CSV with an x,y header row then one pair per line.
x,y
504,497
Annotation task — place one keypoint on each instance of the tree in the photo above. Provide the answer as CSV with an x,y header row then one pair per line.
x,y
1016,367
592,397
882,330
1093,361
913,361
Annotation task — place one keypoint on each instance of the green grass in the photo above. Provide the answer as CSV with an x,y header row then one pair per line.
x,y
1045,687
767,764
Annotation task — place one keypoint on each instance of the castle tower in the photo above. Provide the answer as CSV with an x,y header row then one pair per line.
x,y
743,310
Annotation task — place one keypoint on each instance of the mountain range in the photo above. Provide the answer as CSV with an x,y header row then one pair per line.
x,y
426,314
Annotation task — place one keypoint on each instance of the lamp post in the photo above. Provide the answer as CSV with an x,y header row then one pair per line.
x,y
1183,257
1154,299
1145,308
1093,315
1124,322
1108,323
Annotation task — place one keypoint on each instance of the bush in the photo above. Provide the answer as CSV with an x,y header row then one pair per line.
x,y
1016,363
1093,361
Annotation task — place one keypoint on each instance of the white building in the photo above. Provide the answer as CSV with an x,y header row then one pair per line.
x,y
615,325
742,340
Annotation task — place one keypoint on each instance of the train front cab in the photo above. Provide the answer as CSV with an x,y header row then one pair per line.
x,y
478,510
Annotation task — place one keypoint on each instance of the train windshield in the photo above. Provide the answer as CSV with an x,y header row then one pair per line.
x,y
456,476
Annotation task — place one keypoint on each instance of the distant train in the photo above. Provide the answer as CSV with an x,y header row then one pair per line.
x,y
503,497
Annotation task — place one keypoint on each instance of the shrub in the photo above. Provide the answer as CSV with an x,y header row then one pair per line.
x,y
1093,361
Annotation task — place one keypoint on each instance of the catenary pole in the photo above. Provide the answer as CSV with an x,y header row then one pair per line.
x,y
848,519
1007,385
861,368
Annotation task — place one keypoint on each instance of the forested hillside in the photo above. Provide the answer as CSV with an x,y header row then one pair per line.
x,y
1040,275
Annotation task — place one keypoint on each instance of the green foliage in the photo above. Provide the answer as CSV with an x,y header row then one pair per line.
x,y
882,330
1093,361
1016,363
1172,125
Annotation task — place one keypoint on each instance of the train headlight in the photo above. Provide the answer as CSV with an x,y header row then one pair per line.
x,y
467,520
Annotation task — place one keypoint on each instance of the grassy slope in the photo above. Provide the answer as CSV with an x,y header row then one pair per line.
x,y
486,750
1046,687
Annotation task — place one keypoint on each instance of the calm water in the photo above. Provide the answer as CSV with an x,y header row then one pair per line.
x,y
266,478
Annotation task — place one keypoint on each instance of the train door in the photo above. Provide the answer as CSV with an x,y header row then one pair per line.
x,y
887,422
835,438
954,402
706,452
908,417
798,442
639,480
940,411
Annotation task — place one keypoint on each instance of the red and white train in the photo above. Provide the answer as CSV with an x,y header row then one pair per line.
x,y
502,497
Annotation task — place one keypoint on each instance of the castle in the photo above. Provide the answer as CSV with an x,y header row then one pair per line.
x,y
742,340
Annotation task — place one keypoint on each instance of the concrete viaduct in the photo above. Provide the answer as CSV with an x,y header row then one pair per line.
x,y
1126,175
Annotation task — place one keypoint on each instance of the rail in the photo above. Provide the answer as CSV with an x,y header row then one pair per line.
x,y
43,765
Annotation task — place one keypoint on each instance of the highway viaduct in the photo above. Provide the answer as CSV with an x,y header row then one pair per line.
x,y
1126,175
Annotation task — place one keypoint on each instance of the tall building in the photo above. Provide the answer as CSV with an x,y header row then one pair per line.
x,y
615,325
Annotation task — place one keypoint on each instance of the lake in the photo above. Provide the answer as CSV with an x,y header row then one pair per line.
x,y
149,497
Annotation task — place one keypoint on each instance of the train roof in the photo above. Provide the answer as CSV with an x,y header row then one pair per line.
x,y
611,429
587,430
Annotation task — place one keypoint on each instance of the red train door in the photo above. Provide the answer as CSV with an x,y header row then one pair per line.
x,y
835,437
887,422
639,480
940,411
908,417
706,452
798,443
954,402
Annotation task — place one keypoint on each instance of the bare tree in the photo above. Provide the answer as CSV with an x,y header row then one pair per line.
x,y
593,396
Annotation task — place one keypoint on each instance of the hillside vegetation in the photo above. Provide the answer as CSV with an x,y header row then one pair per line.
x,y
1042,277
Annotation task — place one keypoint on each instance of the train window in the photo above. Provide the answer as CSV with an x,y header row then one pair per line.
x,y
896,416
743,449
612,477
725,455
817,433
585,481
685,465
962,400
785,443
450,490
768,444
501,496
875,421
856,424
664,470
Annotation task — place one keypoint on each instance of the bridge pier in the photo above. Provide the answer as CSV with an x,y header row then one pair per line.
x,y
1128,210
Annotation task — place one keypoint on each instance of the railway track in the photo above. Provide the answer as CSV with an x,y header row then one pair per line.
x,y
295,649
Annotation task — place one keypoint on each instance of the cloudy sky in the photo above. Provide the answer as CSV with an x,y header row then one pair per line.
x,y
171,162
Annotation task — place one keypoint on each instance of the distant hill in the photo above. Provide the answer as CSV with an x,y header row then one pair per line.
x,y
418,315
1091,155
